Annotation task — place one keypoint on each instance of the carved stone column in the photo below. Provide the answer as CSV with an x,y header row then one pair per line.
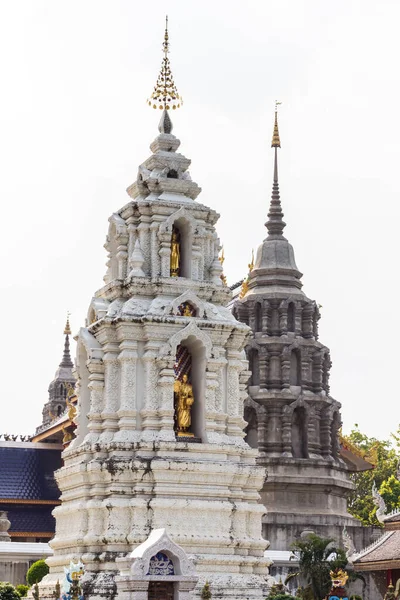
x,y
274,320
307,321
298,318
325,433
128,409
285,367
287,430
283,317
96,386
314,446
165,387
275,377
306,367
263,362
154,250
262,416
149,412
317,371
111,390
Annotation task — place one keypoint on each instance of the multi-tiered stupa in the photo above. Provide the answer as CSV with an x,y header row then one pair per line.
x,y
159,489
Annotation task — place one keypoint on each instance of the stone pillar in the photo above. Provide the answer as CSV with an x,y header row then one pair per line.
x,y
96,386
285,367
262,416
317,371
143,231
283,317
314,446
128,407
307,321
287,431
306,368
263,362
165,387
149,412
154,250
298,319
111,389
325,434
275,367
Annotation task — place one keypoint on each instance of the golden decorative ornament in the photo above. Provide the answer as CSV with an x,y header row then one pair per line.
x,y
276,141
165,92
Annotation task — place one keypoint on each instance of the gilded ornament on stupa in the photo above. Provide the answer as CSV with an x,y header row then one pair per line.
x,y
67,328
165,94
276,140
245,284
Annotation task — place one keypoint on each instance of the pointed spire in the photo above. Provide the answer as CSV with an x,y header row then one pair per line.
x,y
165,94
275,223
66,359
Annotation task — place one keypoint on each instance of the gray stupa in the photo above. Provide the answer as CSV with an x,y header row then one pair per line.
x,y
292,418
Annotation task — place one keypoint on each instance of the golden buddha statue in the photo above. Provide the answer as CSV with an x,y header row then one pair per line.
x,y
187,310
175,255
184,400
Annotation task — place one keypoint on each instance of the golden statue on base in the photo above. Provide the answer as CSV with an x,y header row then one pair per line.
x,y
175,254
184,400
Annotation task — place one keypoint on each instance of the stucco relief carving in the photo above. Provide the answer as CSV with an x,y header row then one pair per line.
x,y
191,330
189,296
159,541
182,213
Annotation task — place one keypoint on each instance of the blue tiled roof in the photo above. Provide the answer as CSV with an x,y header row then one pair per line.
x,y
30,518
28,473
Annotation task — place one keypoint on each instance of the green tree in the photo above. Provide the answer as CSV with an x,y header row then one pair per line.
x,y
206,592
314,565
36,572
8,591
385,457
390,492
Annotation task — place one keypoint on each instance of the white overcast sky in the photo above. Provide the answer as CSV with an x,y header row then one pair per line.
x,y
75,126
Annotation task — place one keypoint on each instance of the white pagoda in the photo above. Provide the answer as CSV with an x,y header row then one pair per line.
x,y
160,492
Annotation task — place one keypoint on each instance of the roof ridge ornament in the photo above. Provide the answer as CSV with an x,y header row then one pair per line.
x,y
275,223
165,94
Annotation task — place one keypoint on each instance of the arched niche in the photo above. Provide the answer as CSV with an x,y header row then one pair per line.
x,y
153,564
254,366
291,317
182,228
251,429
295,368
299,433
197,378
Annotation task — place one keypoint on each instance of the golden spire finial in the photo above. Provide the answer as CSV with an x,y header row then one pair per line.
x,y
67,328
165,94
276,142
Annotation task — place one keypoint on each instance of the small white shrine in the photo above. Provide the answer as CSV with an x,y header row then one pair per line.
x,y
159,486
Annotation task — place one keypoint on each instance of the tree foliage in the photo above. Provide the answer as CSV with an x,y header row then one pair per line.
x,y
8,591
314,552
36,572
385,455
22,590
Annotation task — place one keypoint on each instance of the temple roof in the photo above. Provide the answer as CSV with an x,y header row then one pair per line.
x,y
27,472
381,555
31,519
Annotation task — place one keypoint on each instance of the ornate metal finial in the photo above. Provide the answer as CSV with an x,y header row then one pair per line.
x,y
276,142
165,94
67,328
275,223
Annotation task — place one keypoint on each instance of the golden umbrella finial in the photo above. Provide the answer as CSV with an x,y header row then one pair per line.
x,y
276,141
165,94
67,328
